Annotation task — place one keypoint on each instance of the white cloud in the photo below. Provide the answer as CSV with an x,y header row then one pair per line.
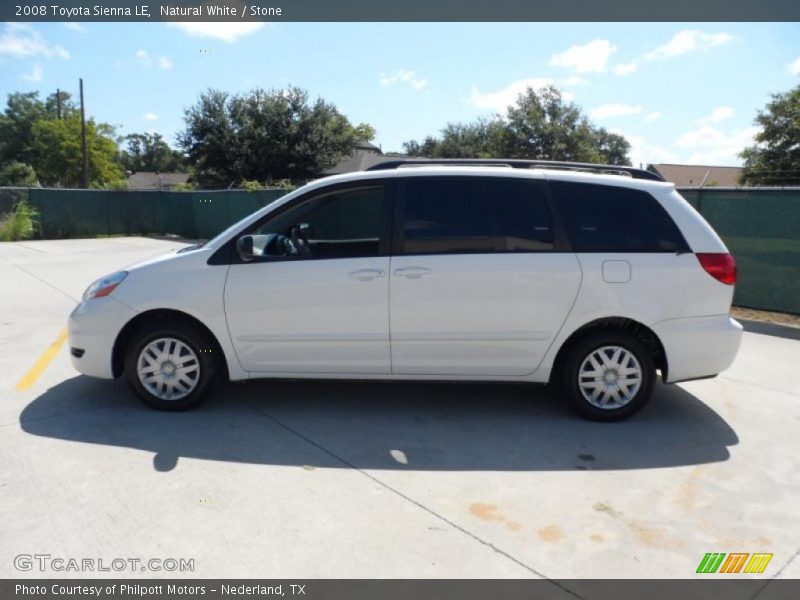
x,y
227,32
615,109
73,26
687,41
35,74
652,116
144,57
589,58
501,99
794,67
20,40
643,153
150,116
718,114
574,80
683,42
710,145
403,76
625,69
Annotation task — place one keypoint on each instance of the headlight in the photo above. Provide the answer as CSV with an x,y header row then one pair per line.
x,y
105,285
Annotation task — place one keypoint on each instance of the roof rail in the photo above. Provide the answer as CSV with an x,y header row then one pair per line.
x,y
518,163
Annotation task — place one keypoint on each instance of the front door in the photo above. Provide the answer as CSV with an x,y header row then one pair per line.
x,y
316,297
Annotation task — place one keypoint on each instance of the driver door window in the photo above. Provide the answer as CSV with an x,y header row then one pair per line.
x,y
343,224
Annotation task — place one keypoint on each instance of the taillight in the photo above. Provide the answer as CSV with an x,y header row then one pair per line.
x,y
719,265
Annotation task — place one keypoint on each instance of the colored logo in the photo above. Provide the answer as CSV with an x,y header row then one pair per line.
x,y
735,562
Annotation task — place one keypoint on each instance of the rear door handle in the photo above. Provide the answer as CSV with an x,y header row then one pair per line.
x,y
366,274
412,272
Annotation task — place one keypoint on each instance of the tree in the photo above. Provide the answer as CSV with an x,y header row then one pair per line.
x,y
266,135
16,124
149,152
425,148
67,107
540,125
56,149
775,157
613,148
17,174
32,134
482,139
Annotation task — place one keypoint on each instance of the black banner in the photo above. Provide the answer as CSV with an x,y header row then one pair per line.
x,y
404,10
729,588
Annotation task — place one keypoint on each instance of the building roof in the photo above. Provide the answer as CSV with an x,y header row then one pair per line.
x,y
697,175
369,146
151,180
365,154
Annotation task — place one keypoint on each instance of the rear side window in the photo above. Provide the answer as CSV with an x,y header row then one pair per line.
x,y
604,218
473,215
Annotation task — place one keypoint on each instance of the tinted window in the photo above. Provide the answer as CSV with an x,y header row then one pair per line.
x,y
447,215
335,225
600,218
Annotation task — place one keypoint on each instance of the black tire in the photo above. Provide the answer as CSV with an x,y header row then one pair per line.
x,y
197,341
582,350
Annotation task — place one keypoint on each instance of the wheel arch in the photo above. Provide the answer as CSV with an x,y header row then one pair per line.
x,y
642,332
126,334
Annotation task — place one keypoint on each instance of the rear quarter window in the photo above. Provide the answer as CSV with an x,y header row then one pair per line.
x,y
604,218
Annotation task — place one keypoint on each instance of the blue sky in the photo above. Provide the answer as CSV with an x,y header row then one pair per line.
x,y
678,92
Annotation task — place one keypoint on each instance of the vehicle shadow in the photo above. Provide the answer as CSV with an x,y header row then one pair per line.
x,y
384,425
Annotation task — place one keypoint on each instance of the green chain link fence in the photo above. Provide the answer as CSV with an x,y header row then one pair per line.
x,y
90,213
760,226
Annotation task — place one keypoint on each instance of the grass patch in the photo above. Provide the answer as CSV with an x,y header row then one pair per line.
x,y
20,224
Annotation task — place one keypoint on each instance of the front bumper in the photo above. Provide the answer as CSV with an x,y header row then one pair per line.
x,y
93,327
698,347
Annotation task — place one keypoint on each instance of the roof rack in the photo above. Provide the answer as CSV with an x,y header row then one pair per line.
x,y
517,163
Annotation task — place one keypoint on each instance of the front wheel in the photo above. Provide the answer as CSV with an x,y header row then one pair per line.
x,y
608,376
170,366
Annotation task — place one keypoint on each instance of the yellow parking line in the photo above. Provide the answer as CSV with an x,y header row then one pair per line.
x,y
40,365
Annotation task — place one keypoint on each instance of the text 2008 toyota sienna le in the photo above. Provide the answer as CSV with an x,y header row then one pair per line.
x,y
592,279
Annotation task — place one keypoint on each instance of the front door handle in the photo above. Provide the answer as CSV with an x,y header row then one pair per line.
x,y
366,274
412,272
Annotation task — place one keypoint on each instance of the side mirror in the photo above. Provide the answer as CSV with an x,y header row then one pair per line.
x,y
244,247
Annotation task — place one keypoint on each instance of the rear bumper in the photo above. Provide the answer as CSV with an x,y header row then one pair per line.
x,y
93,328
698,347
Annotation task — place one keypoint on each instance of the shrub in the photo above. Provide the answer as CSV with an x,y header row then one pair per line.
x,y
17,174
285,184
20,224
252,185
117,185
183,187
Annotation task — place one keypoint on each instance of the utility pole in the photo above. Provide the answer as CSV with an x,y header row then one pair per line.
x,y
58,103
85,157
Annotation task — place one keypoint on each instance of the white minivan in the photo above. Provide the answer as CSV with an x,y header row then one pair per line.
x,y
595,278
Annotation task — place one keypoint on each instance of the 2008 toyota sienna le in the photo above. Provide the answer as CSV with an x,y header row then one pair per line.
x,y
595,278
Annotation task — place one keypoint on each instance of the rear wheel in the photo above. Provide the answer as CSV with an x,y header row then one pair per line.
x,y
170,365
608,376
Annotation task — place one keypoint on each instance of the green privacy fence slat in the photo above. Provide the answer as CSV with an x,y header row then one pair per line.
x,y
761,227
90,213
762,230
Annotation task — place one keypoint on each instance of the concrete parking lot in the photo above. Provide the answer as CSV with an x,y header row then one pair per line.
x,y
321,479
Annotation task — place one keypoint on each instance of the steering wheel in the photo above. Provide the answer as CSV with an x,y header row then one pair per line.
x,y
300,239
281,245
